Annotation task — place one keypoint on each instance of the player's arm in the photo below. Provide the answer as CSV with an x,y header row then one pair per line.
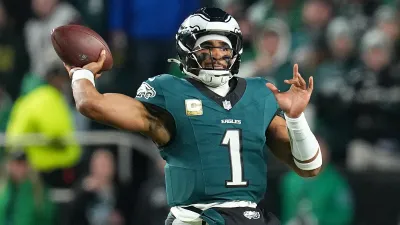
x,y
299,150
116,110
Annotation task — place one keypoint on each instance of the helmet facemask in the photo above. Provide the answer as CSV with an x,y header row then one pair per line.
x,y
213,64
212,60
212,70
206,60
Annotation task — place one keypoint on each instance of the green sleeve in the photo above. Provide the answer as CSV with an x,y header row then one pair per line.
x,y
271,108
151,91
271,105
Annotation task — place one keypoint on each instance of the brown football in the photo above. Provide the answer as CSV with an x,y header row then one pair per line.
x,y
79,45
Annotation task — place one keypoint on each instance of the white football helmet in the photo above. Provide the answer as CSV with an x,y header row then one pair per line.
x,y
203,25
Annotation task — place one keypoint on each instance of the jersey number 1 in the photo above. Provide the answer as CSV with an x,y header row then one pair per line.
x,y
233,140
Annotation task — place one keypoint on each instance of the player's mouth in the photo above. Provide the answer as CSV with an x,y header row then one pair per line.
x,y
215,66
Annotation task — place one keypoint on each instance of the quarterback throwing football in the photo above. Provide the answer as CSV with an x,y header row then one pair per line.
x,y
211,126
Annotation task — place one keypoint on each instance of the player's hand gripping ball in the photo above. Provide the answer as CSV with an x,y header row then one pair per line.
x,y
94,67
78,46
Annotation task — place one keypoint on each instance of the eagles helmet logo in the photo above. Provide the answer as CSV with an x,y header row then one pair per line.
x,y
145,91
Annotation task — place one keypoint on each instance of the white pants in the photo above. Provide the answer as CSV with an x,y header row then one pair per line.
x,y
172,220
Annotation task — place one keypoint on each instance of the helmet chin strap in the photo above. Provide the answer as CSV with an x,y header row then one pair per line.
x,y
211,78
214,78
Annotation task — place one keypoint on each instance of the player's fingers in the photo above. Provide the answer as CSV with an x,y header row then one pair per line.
x,y
294,82
272,87
302,82
295,70
102,58
310,84
68,68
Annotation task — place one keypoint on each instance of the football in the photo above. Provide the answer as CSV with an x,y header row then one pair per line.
x,y
79,45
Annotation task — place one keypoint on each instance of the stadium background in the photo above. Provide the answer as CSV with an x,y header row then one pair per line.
x,y
351,47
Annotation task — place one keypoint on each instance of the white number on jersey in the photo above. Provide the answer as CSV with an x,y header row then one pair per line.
x,y
232,139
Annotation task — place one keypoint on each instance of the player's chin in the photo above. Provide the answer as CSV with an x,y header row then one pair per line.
x,y
215,67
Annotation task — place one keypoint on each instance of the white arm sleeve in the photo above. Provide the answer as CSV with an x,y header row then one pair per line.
x,y
303,143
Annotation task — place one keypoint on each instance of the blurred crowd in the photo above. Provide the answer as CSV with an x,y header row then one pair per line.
x,y
352,50
350,47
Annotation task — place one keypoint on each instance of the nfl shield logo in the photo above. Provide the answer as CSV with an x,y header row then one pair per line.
x,y
227,105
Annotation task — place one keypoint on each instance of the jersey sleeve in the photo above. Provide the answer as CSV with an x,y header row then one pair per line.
x,y
279,112
151,94
150,91
271,108
271,105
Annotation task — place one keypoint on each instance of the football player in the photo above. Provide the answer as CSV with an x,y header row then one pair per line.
x,y
211,126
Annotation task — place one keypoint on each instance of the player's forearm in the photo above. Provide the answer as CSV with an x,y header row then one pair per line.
x,y
296,155
115,110
86,98
112,109
282,150
304,145
89,102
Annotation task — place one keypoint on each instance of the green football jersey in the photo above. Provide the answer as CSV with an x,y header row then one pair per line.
x,y
218,151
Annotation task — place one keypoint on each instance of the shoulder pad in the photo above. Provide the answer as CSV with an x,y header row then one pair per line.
x,y
259,84
161,77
